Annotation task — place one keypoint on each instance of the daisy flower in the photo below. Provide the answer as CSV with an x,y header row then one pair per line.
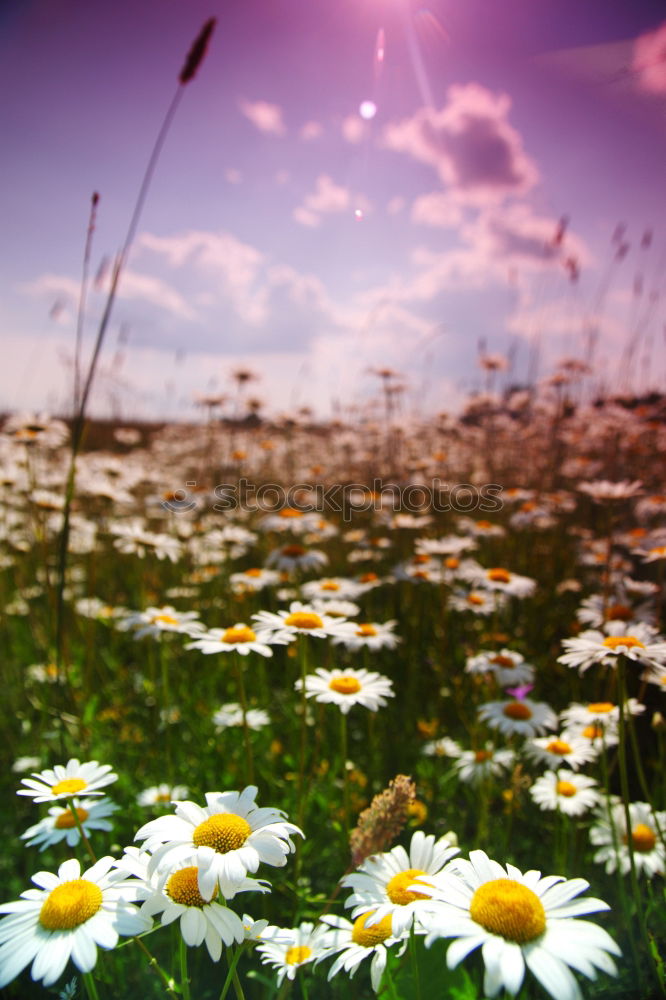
x,y
253,579
602,490
174,894
292,557
231,714
356,942
60,824
382,883
331,589
507,666
155,621
228,838
299,619
162,794
238,638
567,748
600,713
336,608
500,579
647,844
571,794
346,688
479,602
524,717
370,635
474,766
595,611
448,545
604,647
290,948
68,916
519,919
442,747
65,781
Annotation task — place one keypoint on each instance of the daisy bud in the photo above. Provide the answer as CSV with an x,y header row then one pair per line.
x,y
197,52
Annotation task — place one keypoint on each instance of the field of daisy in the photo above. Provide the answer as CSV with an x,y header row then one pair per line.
x,y
336,711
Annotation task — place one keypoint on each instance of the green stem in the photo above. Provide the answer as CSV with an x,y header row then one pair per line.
x,y
233,962
184,978
232,976
79,826
345,776
415,962
387,978
624,787
159,972
249,778
91,989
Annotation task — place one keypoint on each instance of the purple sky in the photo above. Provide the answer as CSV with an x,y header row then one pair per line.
x,y
495,118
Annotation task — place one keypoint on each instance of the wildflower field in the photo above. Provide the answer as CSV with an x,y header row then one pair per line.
x,y
339,708
398,737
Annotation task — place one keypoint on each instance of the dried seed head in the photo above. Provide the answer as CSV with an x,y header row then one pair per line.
x,y
383,820
197,52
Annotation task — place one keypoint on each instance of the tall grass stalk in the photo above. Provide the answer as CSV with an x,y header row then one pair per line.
x,y
192,62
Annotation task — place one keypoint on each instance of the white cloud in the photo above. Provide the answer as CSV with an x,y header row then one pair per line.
x,y
436,209
649,61
264,116
327,197
353,129
311,130
470,143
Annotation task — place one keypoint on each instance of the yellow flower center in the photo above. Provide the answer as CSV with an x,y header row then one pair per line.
x,y
630,641
69,786
368,937
330,585
293,551
517,710
304,619
66,821
238,633
481,756
396,888
593,732
452,562
618,612
253,572
70,904
297,954
223,832
509,909
289,512
499,575
345,684
483,525
163,797
165,620
365,630
560,747
643,838
183,887
600,707
658,550
368,578
421,559
566,788
475,599
503,661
